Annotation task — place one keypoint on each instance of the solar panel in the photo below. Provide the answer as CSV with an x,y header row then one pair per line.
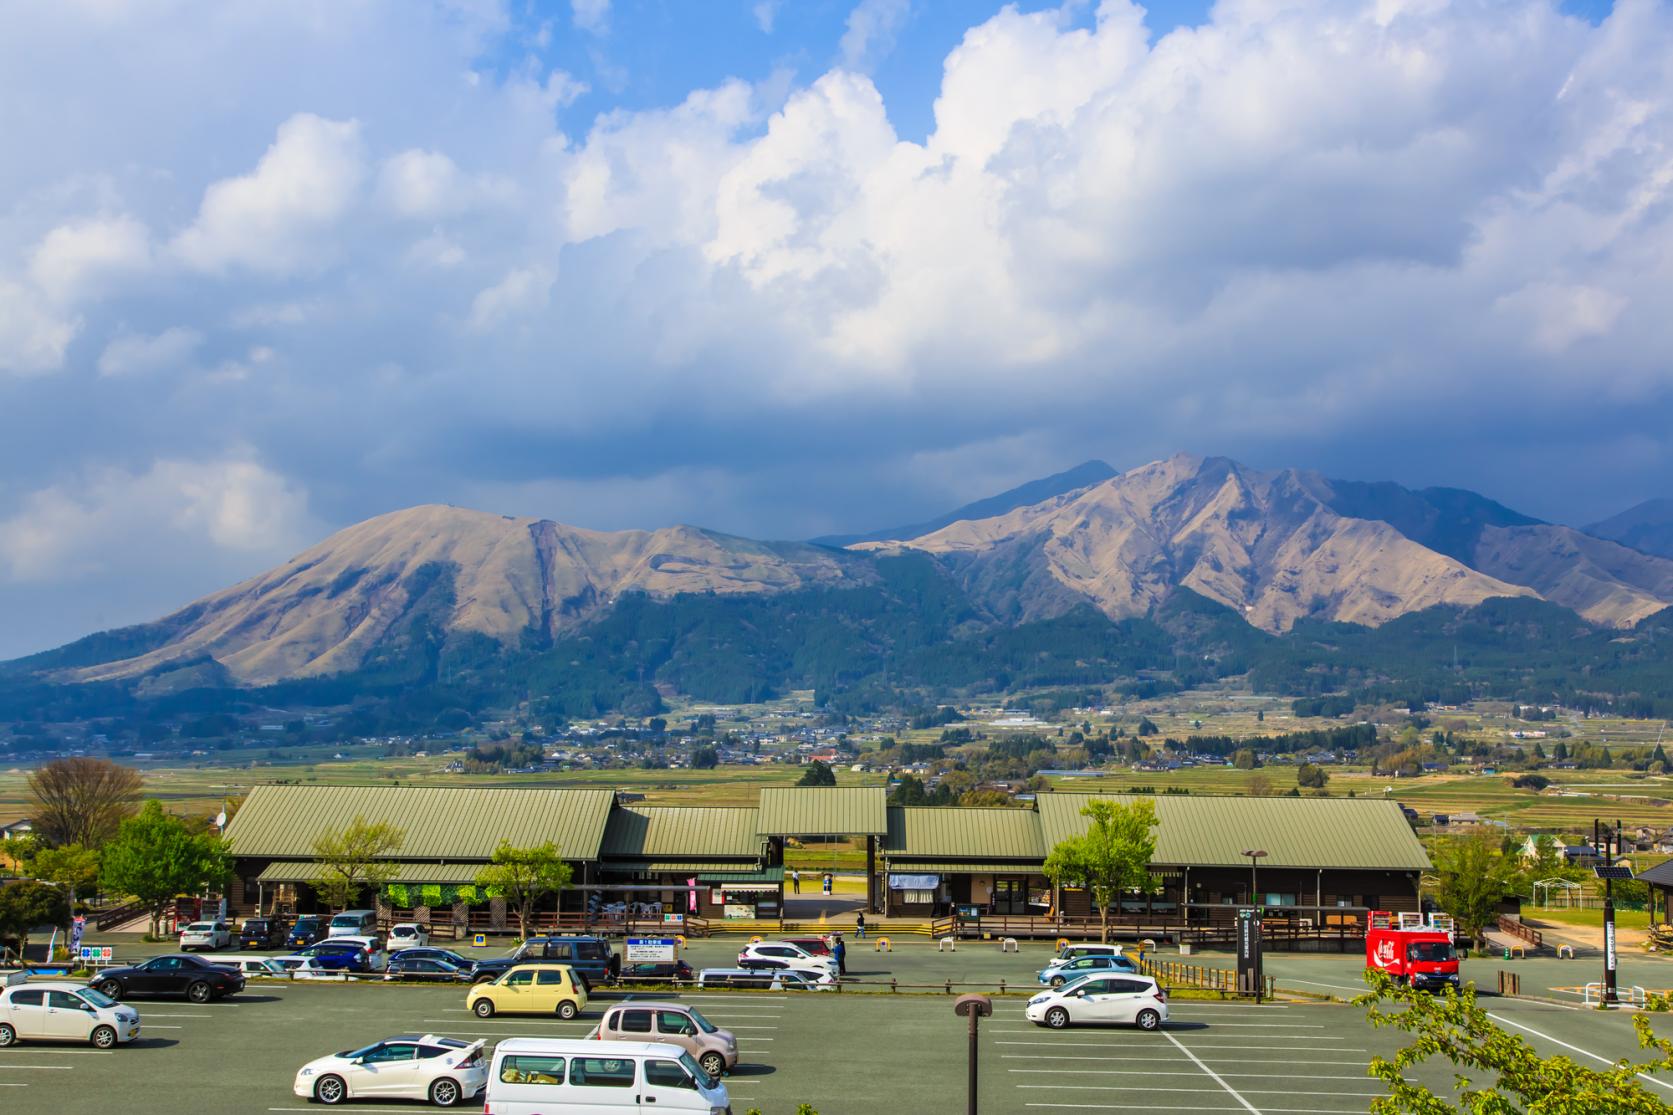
x,y
1609,872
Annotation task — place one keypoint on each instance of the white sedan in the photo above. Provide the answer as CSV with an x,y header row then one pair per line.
x,y
206,935
444,1071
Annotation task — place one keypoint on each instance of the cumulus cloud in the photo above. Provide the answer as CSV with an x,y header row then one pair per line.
x,y
72,258
765,13
136,353
33,334
521,292
591,15
870,32
273,218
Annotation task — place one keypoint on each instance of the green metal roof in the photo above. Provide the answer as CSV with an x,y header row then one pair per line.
x,y
671,867
762,875
1294,832
439,822
681,832
294,872
951,831
824,810
954,867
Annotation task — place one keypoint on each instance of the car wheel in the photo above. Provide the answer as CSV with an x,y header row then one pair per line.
x,y
1057,981
1057,1018
199,992
111,989
104,1037
444,1092
1149,1020
484,1008
330,1090
713,1064
8,1036
567,1010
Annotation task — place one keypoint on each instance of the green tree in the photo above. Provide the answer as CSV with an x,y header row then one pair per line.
x,y
1498,1073
156,857
523,876
1245,759
705,758
1147,727
70,866
27,904
82,801
354,859
1473,876
1311,776
1111,857
817,774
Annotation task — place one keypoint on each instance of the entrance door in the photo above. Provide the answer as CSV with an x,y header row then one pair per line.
x,y
1010,896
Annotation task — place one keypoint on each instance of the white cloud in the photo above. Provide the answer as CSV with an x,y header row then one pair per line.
x,y
33,334
765,12
523,291
136,354
422,184
591,15
108,515
270,220
72,259
870,32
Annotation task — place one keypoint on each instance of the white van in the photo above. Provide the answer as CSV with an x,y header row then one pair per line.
x,y
552,1076
354,923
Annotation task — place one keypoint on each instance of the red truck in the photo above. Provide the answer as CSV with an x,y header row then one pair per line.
x,y
1413,949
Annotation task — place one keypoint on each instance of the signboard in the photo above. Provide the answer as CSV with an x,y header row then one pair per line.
x,y
96,954
77,928
1249,952
654,950
731,910
1609,945
673,919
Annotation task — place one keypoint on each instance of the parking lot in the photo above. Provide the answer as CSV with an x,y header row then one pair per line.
x,y
847,1054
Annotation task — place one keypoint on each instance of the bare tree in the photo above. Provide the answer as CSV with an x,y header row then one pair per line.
x,y
82,801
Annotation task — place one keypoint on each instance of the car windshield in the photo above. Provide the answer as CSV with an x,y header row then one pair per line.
x,y
1430,951
693,1067
702,1023
353,1053
97,998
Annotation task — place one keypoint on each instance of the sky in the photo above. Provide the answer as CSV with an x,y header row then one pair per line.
x,y
799,267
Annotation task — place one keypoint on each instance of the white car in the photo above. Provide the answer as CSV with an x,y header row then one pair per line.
x,y
257,967
783,954
1134,1000
312,967
64,1012
206,935
407,935
444,1071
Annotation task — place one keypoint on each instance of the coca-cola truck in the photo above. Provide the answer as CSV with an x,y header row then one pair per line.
x,y
1413,948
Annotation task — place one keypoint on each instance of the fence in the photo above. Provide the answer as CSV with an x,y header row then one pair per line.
x,y
1175,974
1521,932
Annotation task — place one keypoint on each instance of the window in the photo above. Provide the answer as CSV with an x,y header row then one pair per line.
x,y
547,977
164,964
1129,986
531,1070
559,950
601,1072
391,1053
668,1074
634,1022
673,1022
519,979
590,950
917,897
28,999
62,1000
1097,987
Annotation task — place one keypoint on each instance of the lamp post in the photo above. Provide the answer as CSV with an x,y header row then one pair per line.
x,y
1255,856
975,1008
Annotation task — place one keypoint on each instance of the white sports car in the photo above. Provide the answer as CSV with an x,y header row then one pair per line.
x,y
445,1071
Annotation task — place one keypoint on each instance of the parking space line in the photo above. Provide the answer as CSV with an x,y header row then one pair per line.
x,y
1270,1048
1215,1077
1177,1088
1146,1057
1173,1072
49,1068
1573,1048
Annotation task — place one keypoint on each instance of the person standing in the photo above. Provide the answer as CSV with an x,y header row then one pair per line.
x,y
827,882
860,927
795,881
840,951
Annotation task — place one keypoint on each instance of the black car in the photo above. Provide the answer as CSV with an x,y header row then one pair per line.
x,y
263,933
656,971
425,970
308,929
429,952
177,974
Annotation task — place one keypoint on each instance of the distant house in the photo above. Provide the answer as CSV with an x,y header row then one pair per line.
x,y
17,830
1582,855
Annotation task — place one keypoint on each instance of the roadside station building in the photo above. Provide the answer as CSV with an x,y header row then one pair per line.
x,y
1324,862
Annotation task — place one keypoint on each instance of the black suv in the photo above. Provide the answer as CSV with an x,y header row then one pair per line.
x,y
591,958
191,976
263,933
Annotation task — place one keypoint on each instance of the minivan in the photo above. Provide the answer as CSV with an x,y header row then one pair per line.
x,y
557,1076
354,923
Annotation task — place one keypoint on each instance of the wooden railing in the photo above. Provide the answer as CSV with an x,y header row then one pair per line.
x,y
1515,928
1174,974
116,915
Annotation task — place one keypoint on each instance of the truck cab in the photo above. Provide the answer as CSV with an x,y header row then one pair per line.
x,y
1413,948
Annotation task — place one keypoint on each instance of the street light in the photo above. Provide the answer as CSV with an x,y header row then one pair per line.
x,y
1255,856
975,1008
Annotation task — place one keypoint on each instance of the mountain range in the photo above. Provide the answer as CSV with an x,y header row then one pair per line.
x,y
1276,548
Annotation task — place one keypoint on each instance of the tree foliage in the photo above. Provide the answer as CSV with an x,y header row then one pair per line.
x,y
1474,876
523,876
354,859
1498,1073
1112,856
27,904
82,801
155,856
817,774
70,866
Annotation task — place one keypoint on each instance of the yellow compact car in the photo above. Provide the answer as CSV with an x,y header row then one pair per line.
x,y
530,989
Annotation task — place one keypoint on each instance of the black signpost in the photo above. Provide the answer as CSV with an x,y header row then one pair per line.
x,y
1249,978
1608,849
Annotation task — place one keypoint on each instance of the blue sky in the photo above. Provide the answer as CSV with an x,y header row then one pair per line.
x,y
270,268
